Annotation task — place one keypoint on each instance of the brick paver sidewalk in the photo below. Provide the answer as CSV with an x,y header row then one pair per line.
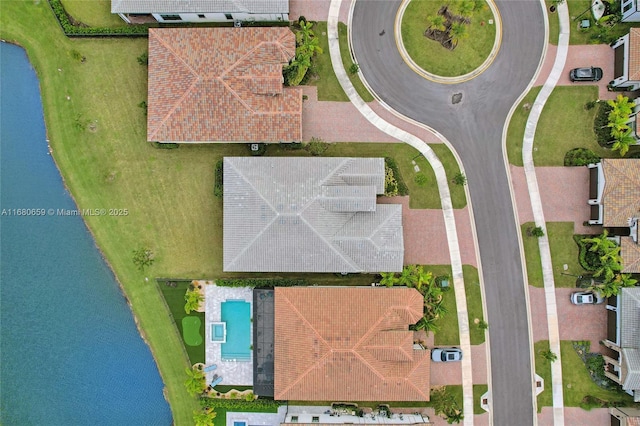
x,y
576,416
575,322
564,192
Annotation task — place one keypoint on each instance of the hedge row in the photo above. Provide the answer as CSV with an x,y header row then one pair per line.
x,y
402,187
237,404
218,189
260,282
588,259
73,30
580,157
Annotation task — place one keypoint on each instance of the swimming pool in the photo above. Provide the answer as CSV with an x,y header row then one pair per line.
x,y
237,316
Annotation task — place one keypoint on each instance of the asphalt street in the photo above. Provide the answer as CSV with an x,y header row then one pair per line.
x,y
474,127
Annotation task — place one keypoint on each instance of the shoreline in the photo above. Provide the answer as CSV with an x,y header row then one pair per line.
x,y
121,287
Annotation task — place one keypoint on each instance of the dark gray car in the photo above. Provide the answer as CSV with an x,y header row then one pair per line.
x,y
585,74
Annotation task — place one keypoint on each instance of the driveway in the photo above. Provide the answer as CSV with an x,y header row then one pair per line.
x,y
474,127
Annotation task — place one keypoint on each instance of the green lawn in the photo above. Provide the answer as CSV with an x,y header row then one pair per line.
x,y
474,303
515,132
470,53
95,13
543,369
478,391
563,251
458,196
447,333
532,256
564,124
325,79
577,381
174,298
192,330
347,62
554,25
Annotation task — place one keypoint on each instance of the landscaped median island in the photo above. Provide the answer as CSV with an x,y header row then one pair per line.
x,y
448,38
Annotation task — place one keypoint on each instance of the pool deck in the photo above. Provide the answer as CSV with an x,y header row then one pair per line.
x,y
258,419
233,372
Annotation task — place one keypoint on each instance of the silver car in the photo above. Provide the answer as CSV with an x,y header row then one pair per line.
x,y
586,298
446,354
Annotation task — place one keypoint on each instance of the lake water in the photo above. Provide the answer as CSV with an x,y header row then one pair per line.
x,y
70,350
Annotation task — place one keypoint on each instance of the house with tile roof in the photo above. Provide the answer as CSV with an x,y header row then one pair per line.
x,y
221,85
349,344
614,197
624,416
623,337
626,70
178,11
313,214
630,10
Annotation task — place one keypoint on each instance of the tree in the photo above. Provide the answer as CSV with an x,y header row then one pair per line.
x,y
437,309
458,31
388,278
621,106
423,278
549,355
193,299
407,276
204,418
142,258
600,243
436,22
608,269
623,142
612,287
195,382
460,179
305,31
427,324
455,416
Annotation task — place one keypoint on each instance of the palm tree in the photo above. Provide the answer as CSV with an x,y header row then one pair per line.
x,y
612,288
388,278
458,31
621,106
193,299
407,276
437,309
608,269
426,324
204,418
623,142
600,243
455,416
611,254
617,123
195,382
423,278
305,32
436,22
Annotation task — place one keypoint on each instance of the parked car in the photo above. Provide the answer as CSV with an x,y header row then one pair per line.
x,y
585,74
446,354
586,298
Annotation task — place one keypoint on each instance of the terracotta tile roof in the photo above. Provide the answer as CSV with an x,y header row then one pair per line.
x,y
621,195
634,54
630,253
221,84
348,344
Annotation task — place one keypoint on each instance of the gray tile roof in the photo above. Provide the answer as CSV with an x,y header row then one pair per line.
x,y
630,336
309,215
199,6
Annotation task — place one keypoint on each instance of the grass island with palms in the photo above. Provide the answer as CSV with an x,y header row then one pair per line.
x,y
448,38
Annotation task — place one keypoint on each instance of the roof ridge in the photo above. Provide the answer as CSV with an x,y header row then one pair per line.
x,y
331,173
410,382
253,240
339,252
315,332
186,92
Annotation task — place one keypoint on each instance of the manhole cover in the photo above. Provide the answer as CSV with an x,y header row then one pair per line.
x,y
456,98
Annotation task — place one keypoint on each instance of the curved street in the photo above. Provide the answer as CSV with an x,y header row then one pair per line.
x,y
474,127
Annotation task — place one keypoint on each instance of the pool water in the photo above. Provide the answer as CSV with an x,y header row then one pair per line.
x,y
217,332
239,424
237,316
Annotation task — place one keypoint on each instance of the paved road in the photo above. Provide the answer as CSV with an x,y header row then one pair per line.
x,y
474,127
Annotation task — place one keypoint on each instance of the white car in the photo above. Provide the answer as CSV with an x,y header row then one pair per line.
x,y
446,354
586,298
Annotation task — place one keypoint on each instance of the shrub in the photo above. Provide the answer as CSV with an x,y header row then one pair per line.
x,y
142,258
354,68
316,146
590,105
549,355
143,105
390,182
536,232
165,145
420,179
238,404
580,157
402,187
260,282
143,59
71,28
460,179
603,133
218,189
290,146
483,325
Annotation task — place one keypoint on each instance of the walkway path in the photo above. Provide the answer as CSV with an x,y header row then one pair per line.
x,y
445,196
538,214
